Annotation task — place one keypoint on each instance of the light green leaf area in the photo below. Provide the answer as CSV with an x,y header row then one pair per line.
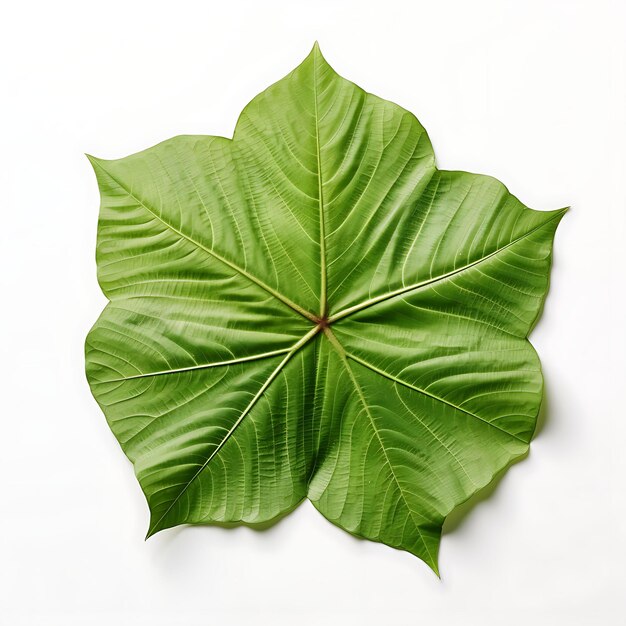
x,y
314,310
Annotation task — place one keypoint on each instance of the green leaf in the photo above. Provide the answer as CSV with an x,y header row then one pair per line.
x,y
313,309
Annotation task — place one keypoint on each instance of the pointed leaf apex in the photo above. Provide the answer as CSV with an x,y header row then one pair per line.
x,y
95,161
561,212
152,530
435,567
316,52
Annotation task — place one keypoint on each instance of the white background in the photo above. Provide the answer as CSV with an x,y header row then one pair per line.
x,y
531,92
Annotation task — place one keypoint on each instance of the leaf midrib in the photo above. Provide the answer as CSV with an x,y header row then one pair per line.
x,y
320,194
408,385
426,283
199,366
259,394
344,359
284,299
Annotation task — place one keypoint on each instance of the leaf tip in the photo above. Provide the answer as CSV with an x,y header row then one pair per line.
x,y
152,530
316,51
154,526
560,213
92,159
435,568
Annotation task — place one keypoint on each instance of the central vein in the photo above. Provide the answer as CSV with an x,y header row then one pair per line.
x,y
320,195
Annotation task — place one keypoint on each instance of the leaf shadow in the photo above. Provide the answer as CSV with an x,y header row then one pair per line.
x,y
457,516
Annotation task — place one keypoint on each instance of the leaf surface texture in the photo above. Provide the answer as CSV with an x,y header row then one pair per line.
x,y
314,310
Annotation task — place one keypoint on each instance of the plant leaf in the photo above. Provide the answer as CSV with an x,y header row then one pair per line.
x,y
313,309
